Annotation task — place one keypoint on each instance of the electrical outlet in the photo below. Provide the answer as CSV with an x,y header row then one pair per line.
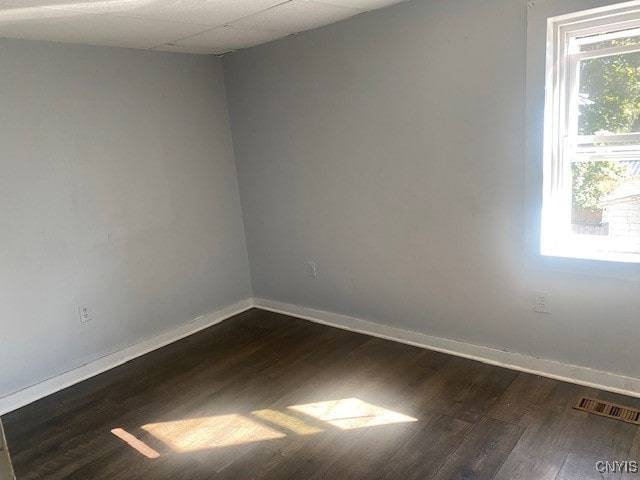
x,y
542,302
311,269
85,314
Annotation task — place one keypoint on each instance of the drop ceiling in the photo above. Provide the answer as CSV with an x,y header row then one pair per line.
x,y
189,26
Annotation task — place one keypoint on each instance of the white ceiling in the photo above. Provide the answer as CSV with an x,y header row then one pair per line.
x,y
189,26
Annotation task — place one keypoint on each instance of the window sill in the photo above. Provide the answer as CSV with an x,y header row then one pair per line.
x,y
588,248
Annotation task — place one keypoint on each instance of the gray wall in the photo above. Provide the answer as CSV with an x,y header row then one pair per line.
x,y
118,190
390,150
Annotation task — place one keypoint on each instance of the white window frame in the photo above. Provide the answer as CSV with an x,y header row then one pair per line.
x,y
562,145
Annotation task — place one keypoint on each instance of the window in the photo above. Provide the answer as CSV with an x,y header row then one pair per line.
x,y
591,196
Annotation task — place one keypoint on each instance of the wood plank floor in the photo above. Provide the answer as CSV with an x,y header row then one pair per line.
x,y
266,396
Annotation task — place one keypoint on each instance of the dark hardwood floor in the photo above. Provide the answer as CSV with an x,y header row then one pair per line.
x,y
266,396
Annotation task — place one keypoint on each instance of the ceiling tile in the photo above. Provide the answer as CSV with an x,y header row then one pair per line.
x,y
95,29
203,12
97,6
207,12
172,25
361,4
231,38
196,50
296,16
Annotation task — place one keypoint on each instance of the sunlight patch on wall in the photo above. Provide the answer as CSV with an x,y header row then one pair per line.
x,y
350,413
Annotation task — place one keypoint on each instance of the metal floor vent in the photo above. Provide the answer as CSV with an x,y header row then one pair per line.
x,y
608,409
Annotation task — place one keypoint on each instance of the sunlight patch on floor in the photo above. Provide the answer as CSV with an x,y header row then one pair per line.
x,y
139,445
281,419
260,425
350,413
211,432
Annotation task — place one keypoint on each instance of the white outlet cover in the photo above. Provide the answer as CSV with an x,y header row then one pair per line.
x,y
85,313
311,269
542,302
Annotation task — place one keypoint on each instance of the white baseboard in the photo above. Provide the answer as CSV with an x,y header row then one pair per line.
x,y
580,375
539,366
47,387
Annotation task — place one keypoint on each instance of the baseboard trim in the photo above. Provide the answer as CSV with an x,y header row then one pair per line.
x,y
577,374
35,392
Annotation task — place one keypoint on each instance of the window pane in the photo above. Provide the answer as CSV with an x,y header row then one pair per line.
x,y
609,94
606,201
609,39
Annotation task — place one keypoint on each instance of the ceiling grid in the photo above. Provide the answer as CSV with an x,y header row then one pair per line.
x,y
187,26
